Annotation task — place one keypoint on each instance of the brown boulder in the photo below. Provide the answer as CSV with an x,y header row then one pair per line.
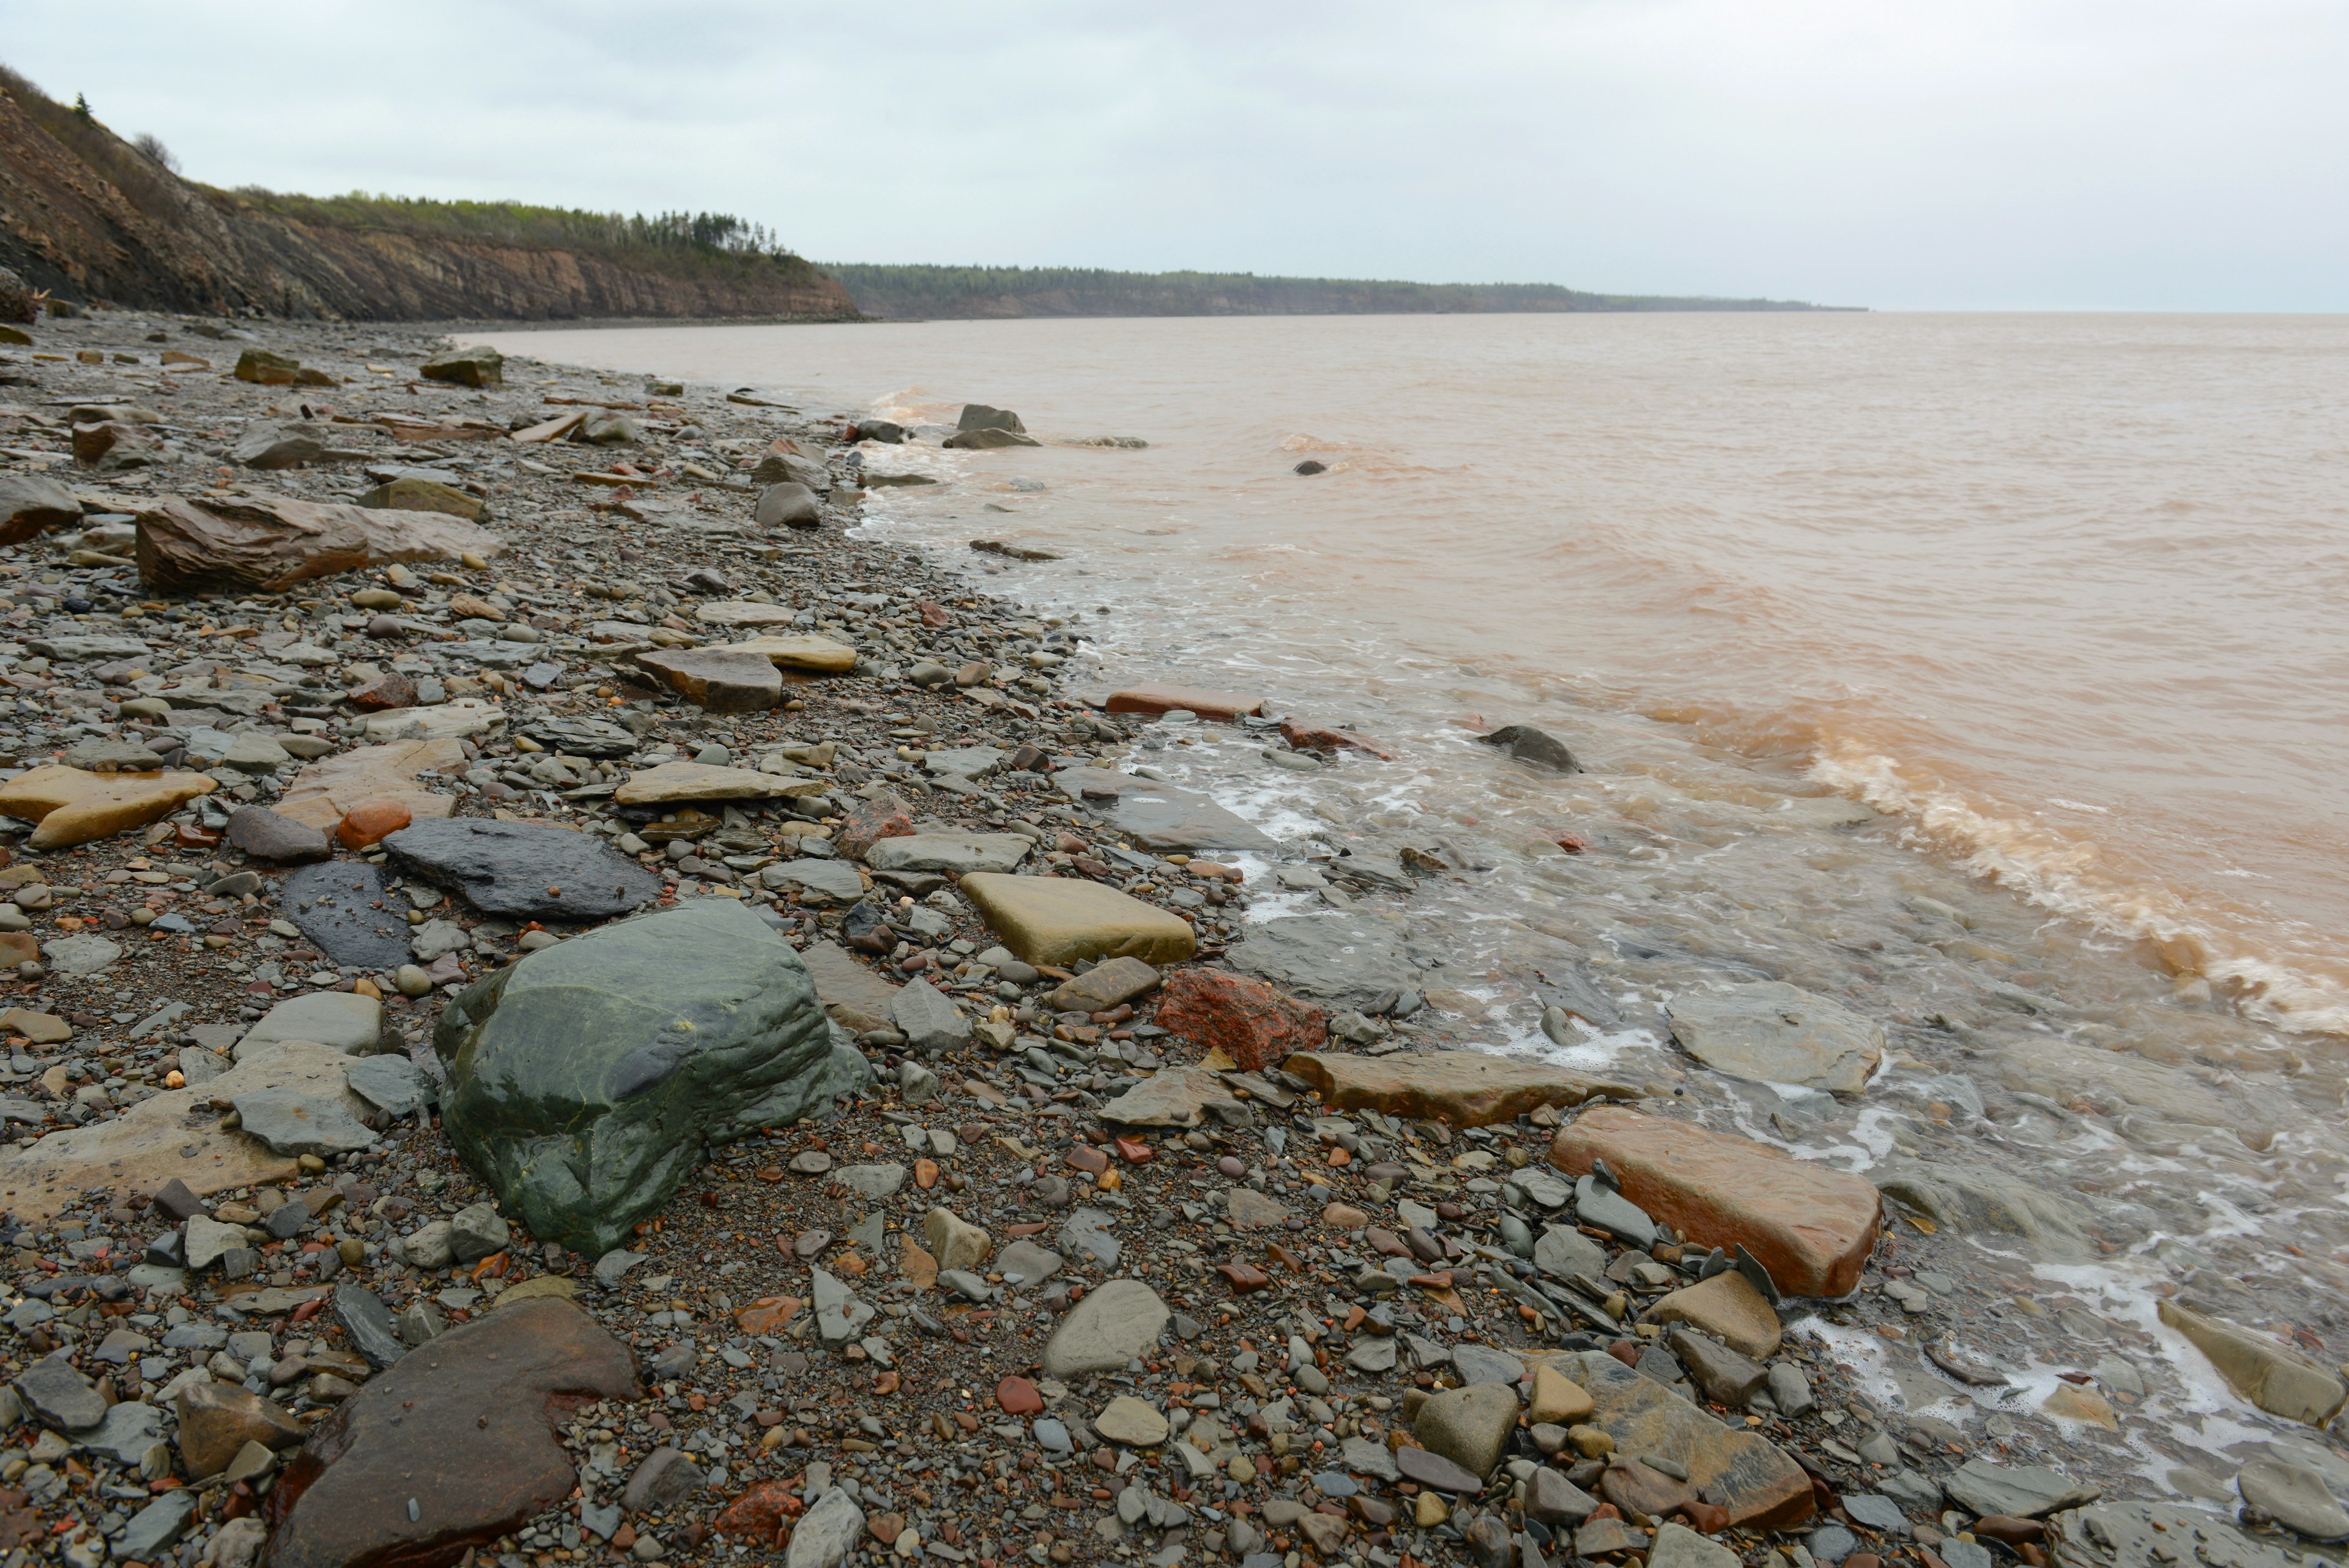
x,y
758,1515
271,542
29,504
462,1431
216,1420
1248,1020
1463,1088
1810,1225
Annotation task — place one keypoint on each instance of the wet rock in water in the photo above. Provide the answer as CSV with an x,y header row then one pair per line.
x,y
718,679
586,1077
73,806
2152,1535
1773,1032
262,834
1969,1200
1810,1226
1221,706
1248,1021
981,417
345,907
1762,1489
1114,1324
1726,1306
1345,957
1060,920
1311,465
476,1412
523,870
888,432
1159,815
988,440
2295,1496
1464,1088
788,505
2016,1491
1468,1425
1537,747
2279,1381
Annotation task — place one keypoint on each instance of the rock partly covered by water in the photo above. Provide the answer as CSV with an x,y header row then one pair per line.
x,y
585,1078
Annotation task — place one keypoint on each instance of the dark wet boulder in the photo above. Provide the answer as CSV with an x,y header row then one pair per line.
x,y
1538,747
524,870
585,1079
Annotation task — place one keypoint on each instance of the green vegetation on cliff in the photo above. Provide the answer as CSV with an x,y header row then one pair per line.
x,y
924,292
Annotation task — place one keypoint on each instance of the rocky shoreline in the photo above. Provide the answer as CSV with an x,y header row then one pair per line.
x,y
429,1150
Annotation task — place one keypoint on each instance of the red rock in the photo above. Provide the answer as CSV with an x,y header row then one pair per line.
x,y
477,1412
1085,1157
371,822
934,616
757,1514
1018,1396
1222,705
1308,736
1810,1225
885,1528
387,690
1133,1151
883,816
768,1314
1248,1021
1245,1277
925,1174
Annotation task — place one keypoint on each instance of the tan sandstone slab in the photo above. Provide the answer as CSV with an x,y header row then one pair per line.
x,y
1810,1225
1178,1097
324,793
1061,921
1225,706
1763,1489
820,654
2279,1381
744,612
173,1134
73,806
1461,1088
672,783
1727,1307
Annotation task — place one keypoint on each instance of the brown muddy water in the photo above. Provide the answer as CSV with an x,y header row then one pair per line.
x,y
1987,674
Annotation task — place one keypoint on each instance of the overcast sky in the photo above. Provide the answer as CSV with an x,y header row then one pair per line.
x,y
2097,154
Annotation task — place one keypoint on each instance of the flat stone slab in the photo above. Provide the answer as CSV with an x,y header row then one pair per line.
x,y
1223,706
345,906
820,655
1461,1088
743,612
1810,1225
1113,1325
1063,921
2160,1535
1350,957
476,1413
76,807
2018,1491
720,680
525,870
296,1122
835,881
1176,1097
673,782
1160,817
2280,1381
324,793
1778,1034
842,983
1765,1489
167,1136
343,1021
956,854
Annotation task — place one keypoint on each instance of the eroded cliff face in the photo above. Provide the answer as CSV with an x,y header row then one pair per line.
x,y
88,217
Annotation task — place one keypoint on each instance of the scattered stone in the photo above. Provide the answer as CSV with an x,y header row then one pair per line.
x,y
1178,1097
1468,1425
265,835
1113,1325
267,544
928,1020
827,1533
1762,1489
341,1021
60,1396
953,1242
1106,985
478,365
413,492
956,854
217,1420
1129,1421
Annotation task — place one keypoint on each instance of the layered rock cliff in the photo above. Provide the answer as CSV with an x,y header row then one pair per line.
x,y
88,216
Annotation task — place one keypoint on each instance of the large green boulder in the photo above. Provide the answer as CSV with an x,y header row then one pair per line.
x,y
585,1079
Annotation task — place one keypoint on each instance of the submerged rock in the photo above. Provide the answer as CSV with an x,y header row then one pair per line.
x,y
585,1079
1778,1034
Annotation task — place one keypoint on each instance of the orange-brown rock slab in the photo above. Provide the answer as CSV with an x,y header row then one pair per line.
x,y
1461,1088
1254,1024
1811,1225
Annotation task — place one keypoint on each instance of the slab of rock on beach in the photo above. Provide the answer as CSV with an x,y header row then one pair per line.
x,y
494,1077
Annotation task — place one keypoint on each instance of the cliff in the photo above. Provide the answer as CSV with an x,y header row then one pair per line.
x,y
89,217
936,292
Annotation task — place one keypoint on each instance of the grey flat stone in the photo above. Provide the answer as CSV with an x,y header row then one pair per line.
x,y
523,870
1483,1364
340,1020
1160,817
874,1181
1604,1209
840,1317
928,1020
153,1529
1087,1233
60,1396
818,881
130,1428
826,1532
1547,1188
957,854
1032,1263
81,955
2020,1491
1113,1325
2295,1496
391,1083
1777,1034
369,1323
1564,1253
291,1121
1367,1457
2155,1535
